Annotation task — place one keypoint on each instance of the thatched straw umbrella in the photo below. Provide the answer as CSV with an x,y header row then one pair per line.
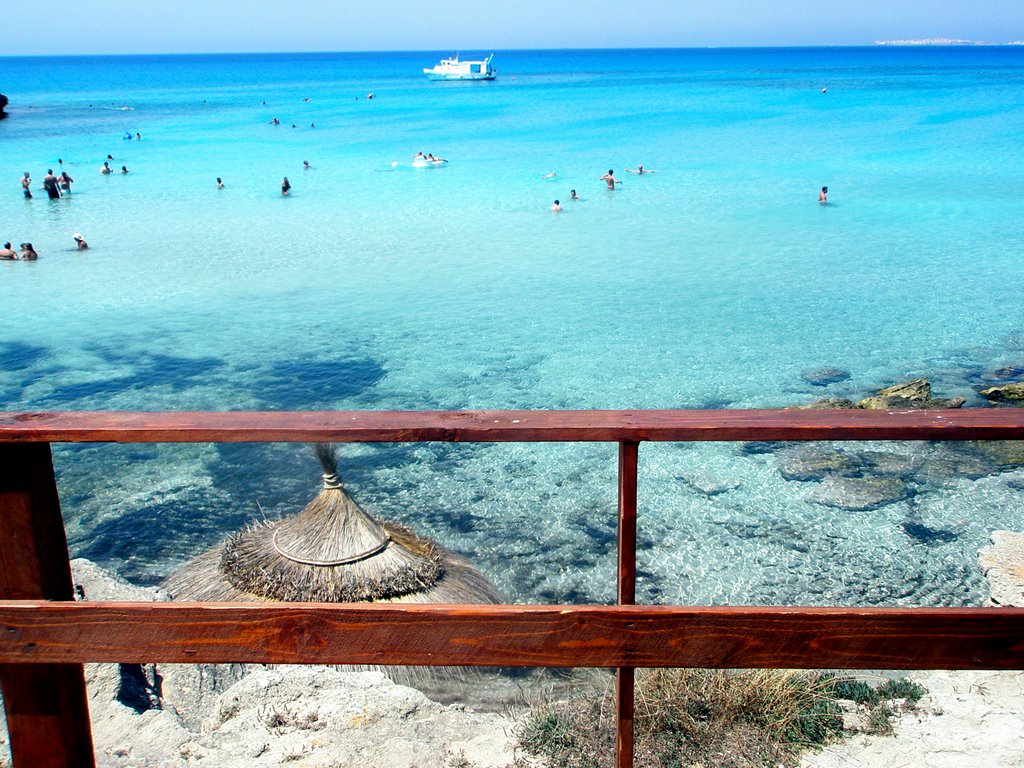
x,y
332,551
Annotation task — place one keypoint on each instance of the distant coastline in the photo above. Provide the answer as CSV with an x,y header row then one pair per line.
x,y
943,41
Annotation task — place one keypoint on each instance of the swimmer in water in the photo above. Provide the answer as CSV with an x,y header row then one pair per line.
x,y
305,165
77,237
28,253
549,175
7,253
106,169
65,182
26,185
610,179
124,169
286,186
556,207
823,196
573,195
639,170
220,184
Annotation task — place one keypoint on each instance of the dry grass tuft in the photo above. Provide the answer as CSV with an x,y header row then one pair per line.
x,y
693,717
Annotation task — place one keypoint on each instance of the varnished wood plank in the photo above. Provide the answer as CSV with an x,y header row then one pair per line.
x,y
514,635
628,457
513,426
45,704
626,582
625,678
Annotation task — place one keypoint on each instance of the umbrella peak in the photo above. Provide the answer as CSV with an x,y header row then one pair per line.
x,y
370,552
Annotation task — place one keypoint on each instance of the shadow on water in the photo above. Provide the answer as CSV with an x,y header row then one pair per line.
x,y
308,383
17,355
161,530
149,370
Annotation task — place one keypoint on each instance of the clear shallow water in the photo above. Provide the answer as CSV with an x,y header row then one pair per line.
x,y
714,283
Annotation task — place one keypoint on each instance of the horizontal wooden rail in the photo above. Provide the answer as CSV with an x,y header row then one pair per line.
x,y
43,643
511,426
513,635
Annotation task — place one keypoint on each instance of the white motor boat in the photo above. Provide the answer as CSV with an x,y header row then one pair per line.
x,y
453,69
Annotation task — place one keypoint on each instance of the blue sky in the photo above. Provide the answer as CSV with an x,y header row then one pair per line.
x,y
136,26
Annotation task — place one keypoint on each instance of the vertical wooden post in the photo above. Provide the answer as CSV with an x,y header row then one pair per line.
x,y
624,676
46,705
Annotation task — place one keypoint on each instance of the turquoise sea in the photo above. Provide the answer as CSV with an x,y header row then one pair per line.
x,y
717,282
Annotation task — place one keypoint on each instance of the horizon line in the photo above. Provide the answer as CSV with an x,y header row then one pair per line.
x,y
874,44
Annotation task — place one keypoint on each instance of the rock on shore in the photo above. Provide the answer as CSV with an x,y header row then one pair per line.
x,y
247,716
1005,393
967,720
907,395
1003,563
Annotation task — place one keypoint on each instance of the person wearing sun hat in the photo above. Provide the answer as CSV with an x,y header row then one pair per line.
x,y
77,237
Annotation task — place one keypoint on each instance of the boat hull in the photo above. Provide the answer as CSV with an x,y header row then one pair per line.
x,y
440,76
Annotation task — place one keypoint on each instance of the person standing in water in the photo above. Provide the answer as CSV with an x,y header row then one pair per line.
x,y
82,245
823,196
610,179
50,185
220,184
286,186
556,207
65,182
26,185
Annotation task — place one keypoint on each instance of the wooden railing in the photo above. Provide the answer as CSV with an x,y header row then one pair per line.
x,y
45,636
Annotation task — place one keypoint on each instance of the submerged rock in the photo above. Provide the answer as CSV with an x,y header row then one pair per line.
x,y
890,464
926,534
822,377
814,462
3,104
758,447
824,404
998,455
946,466
859,493
1006,373
1005,393
707,484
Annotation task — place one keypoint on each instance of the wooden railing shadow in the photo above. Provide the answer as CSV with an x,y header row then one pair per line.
x,y
45,636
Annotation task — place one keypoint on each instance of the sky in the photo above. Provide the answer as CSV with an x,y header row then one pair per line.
x,y
213,26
